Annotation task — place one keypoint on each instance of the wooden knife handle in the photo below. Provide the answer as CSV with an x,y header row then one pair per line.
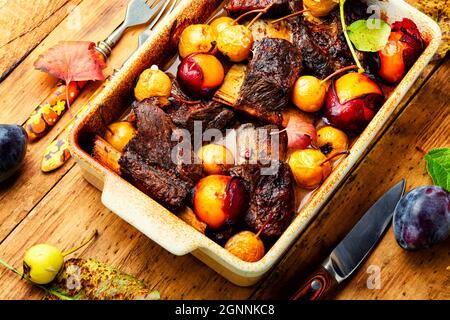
x,y
317,286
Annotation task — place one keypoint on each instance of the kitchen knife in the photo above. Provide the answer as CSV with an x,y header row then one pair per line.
x,y
354,249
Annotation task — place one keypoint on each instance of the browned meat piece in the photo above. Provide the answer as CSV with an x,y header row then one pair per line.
x,y
260,144
238,7
272,198
147,160
323,46
184,112
271,74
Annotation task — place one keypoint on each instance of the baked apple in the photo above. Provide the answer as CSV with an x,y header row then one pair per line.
x,y
119,134
310,167
197,38
247,246
216,159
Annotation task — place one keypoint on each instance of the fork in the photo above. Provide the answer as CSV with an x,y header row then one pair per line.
x,y
57,152
52,108
138,12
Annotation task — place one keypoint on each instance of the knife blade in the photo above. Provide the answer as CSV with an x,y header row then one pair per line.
x,y
353,249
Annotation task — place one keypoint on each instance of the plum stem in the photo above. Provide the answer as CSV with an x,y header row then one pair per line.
x,y
347,38
85,242
23,276
265,224
346,152
338,72
297,13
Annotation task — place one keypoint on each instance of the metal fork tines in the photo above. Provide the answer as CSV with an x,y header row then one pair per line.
x,y
143,36
138,12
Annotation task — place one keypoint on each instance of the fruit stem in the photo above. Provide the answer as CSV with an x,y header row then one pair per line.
x,y
259,15
265,224
338,72
290,16
346,152
189,102
23,276
347,38
68,99
85,242
260,11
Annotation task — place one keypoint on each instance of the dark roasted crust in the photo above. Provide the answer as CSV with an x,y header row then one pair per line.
x,y
275,66
238,7
323,45
147,160
213,115
272,197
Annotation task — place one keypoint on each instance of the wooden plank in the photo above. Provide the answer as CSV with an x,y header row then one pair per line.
x,y
70,211
24,24
26,87
420,275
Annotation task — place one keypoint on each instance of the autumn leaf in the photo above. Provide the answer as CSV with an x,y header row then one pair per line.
x,y
72,61
300,133
88,279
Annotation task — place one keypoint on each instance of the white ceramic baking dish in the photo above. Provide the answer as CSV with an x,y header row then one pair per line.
x,y
164,227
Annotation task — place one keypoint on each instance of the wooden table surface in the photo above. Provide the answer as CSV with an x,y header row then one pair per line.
x,y
61,208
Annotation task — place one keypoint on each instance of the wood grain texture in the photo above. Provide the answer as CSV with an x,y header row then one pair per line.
x,y
63,220
24,24
420,275
61,208
26,87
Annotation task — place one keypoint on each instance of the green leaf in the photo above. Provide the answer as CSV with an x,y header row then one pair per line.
x,y
438,166
369,35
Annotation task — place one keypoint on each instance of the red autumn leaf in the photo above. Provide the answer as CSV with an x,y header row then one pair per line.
x,y
72,61
300,133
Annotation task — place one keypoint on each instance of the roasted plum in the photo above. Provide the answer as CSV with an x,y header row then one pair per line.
x,y
200,74
352,102
422,218
218,198
404,47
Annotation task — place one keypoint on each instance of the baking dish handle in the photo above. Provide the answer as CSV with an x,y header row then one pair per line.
x,y
149,217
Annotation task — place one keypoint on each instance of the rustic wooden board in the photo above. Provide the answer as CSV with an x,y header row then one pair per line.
x,y
24,24
70,211
424,124
25,88
61,207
